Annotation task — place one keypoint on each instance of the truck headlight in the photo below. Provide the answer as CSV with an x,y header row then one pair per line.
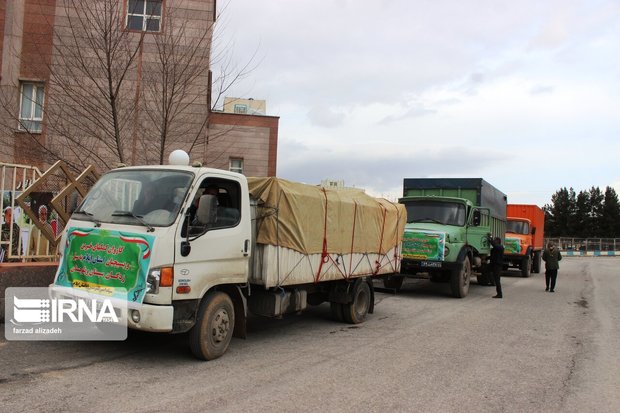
x,y
152,281
159,277
446,251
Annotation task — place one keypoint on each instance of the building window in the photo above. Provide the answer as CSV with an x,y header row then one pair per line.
x,y
144,15
236,165
241,109
31,107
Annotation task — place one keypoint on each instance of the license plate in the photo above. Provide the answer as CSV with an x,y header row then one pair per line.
x,y
430,264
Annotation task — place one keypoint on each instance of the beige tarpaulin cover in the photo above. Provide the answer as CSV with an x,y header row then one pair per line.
x,y
315,220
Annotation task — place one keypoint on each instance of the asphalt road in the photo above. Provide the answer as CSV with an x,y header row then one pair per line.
x,y
420,351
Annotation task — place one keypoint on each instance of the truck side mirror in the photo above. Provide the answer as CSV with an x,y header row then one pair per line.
x,y
186,248
476,220
533,230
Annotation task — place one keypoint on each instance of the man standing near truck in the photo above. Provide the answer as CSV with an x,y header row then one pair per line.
x,y
551,257
497,263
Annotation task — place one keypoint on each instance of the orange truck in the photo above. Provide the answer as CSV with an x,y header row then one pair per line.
x,y
525,232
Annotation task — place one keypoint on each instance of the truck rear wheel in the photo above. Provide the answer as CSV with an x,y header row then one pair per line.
x,y
536,263
459,280
526,266
210,337
355,312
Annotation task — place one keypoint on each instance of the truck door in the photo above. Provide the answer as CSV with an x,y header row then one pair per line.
x,y
217,251
479,227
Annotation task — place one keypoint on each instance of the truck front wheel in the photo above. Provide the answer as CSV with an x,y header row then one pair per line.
x,y
210,337
526,265
459,281
355,312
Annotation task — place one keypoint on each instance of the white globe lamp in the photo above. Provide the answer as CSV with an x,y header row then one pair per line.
x,y
178,157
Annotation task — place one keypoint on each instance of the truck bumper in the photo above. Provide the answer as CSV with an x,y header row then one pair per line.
x,y
513,259
155,318
415,266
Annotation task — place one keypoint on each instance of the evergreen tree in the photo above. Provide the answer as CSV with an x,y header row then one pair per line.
x,y
560,214
582,215
550,225
610,220
570,213
596,212
589,214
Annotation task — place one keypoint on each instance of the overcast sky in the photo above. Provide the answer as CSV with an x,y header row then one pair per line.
x,y
525,94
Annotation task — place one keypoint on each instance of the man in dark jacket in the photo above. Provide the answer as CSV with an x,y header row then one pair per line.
x,y
551,257
497,263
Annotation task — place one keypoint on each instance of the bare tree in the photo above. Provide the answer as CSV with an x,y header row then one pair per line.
x,y
178,84
90,97
92,83
116,95
176,87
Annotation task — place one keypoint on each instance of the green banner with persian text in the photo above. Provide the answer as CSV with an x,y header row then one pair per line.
x,y
108,263
512,246
424,245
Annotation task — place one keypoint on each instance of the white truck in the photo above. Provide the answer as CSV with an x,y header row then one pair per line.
x,y
191,262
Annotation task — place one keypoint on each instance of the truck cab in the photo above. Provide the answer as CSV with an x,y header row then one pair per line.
x,y
518,245
445,237
524,238
149,236
449,221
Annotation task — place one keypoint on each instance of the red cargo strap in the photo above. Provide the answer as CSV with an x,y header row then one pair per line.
x,y
324,253
377,262
352,241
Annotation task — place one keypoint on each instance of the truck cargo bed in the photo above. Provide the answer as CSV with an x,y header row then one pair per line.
x,y
308,234
279,266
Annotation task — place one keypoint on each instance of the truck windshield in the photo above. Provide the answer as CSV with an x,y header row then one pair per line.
x,y
136,197
518,227
445,213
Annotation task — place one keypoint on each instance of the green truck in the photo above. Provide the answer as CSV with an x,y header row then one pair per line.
x,y
446,235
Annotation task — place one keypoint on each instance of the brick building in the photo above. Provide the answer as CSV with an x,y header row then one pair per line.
x,y
106,81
